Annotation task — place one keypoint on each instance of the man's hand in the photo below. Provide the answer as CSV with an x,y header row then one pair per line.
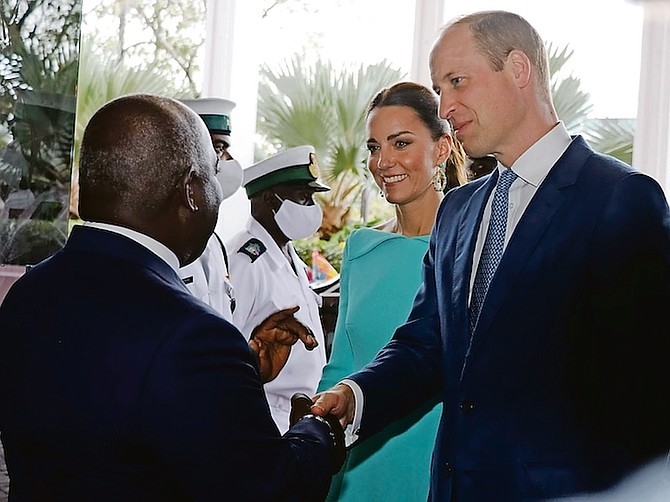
x,y
271,341
338,401
300,408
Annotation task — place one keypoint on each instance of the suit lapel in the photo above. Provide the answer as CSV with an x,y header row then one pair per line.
x,y
552,194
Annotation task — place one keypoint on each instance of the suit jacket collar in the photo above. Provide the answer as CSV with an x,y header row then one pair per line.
x,y
554,191
97,241
149,242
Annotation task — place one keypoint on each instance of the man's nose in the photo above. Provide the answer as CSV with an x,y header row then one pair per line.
x,y
446,106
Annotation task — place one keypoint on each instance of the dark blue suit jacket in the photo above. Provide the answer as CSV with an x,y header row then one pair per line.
x,y
117,384
565,387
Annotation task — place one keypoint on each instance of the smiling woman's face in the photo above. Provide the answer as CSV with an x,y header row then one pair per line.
x,y
402,154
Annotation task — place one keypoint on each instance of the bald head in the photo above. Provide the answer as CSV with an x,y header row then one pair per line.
x,y
146,163
133,151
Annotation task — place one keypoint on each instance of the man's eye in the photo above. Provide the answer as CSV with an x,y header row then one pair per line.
x,y
456,80
372,148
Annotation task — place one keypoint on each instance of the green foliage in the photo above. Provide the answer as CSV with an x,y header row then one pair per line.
x,y
571,103
102,80
612,136
165,35
38,74
30,241
39,42
330,248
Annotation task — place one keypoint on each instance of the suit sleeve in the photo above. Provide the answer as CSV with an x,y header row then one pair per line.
x,y
205,416
341,362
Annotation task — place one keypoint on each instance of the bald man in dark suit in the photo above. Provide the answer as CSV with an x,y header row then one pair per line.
x,y
116,382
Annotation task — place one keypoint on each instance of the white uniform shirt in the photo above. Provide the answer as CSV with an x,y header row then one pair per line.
x,y
264,283
207,278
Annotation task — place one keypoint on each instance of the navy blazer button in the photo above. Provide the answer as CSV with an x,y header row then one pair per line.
x,y
448,467
466,406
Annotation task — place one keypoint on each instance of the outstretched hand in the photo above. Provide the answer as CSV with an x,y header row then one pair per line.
x,y
337,401
271,341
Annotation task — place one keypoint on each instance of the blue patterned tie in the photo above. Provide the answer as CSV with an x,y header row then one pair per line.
x,y
493,245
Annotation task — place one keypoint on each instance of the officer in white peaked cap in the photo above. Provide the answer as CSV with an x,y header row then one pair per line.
x,y
215,112
207,277
266,271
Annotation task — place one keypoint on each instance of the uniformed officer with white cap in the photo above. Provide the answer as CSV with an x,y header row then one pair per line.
x,y
267,273
207,277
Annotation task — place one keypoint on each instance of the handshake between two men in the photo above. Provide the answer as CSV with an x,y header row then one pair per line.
x,y
271,343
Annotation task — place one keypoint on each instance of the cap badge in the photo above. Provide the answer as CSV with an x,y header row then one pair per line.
x,y
313,166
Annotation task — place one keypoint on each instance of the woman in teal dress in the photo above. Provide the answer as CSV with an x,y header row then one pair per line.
x,y
412,158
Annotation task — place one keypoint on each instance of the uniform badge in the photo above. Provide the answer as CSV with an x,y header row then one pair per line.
x,y
313,166
253,248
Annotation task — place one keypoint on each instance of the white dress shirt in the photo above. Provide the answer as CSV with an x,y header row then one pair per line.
x,y
531,168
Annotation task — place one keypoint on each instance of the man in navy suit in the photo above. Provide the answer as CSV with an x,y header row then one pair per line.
x,y
116,383
554,380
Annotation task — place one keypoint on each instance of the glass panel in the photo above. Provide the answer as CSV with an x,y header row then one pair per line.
x,y
39,42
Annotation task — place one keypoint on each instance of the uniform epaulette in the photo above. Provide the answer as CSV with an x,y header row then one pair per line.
x,y
253,248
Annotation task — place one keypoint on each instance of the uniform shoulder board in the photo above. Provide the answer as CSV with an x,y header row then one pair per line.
x,y
253,248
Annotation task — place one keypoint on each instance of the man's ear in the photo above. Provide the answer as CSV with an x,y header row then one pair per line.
x,y
521,67
185,187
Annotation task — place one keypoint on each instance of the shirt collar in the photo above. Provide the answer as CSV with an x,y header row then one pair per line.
x,y
534,164
151,244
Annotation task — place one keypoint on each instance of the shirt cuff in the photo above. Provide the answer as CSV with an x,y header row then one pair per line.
x,y
352,430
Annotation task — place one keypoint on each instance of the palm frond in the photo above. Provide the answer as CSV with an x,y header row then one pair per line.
x,y
571,103
612,136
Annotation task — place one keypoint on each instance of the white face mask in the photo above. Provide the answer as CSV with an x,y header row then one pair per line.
x,y
230,177
298,221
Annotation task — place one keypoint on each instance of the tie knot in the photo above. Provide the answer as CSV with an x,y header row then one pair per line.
x,y
507,178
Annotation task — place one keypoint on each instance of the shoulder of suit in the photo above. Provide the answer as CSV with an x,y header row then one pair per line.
x,y
253,248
